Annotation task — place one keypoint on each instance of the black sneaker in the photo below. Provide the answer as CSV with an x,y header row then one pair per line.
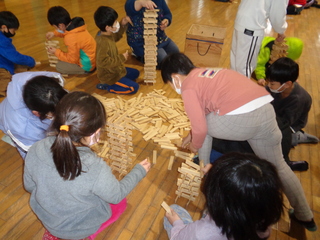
x,y
309,225
298,165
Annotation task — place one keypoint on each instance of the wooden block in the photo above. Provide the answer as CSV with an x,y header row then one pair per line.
x,y
189,171
193,165
168,147
170,162
150,14
166,207
154,157
150,25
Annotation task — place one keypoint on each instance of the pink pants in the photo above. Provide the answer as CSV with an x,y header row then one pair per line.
x,y
116,209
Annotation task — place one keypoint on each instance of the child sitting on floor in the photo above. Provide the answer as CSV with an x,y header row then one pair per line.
x,y
10,58
113,75
27,111
135,10
243,199
73,191
291,102
81,55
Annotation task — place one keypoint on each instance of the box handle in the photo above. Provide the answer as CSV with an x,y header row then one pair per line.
x,y
205,52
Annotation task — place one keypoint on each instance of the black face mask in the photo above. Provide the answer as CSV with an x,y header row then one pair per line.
x,y
8,34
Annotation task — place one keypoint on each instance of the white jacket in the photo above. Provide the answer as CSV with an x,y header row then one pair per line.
x,y
253,15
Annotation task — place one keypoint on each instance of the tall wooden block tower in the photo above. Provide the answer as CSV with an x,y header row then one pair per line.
x,y
150,45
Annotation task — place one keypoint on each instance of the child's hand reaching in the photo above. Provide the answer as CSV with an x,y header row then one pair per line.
x,y
262,82
148,4
172,217
126,20
145,164
49,35
164,24
206,168
126,55
186,141
51,50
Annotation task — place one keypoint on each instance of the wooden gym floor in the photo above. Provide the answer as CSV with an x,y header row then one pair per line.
x,y
144,215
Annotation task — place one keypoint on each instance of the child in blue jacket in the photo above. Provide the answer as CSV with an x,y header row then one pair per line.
x,y
9,56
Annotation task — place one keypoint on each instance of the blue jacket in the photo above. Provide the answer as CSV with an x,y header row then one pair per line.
x,y
17,118
9,56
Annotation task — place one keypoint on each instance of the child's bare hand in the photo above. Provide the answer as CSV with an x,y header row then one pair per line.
x,y
192,148
172,217
186,141
148,4
49,35
164,24
206,168
126,20
145,164
262,82
280,37
126,55
51,50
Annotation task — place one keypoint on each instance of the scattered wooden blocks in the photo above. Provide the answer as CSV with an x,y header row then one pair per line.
x,y
157,117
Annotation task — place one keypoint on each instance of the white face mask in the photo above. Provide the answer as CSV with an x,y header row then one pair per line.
x,y
178,90
94,138
117,27
277,90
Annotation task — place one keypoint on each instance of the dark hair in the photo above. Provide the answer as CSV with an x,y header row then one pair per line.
x,y
84,115
175,63
283,70
57,15
42,94
105,16
243,195
9,19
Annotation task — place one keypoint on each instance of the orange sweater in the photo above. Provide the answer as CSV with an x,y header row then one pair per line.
x,y
81,48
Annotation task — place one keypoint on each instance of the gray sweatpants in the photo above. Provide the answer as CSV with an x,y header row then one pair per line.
x,y
260,129
69,68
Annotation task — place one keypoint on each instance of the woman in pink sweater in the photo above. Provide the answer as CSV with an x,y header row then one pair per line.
x,y
224,104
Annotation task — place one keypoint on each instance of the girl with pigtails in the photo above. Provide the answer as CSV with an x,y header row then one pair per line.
x,y
73,191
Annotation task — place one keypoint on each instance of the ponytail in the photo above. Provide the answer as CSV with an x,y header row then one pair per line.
x,y
65,155
78,115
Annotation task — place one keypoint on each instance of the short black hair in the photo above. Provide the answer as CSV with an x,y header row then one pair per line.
x,y
243,195
175,63
282,70
57,15
105,16
9,19
42,94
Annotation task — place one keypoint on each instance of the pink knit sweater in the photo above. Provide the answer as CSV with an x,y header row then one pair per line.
x,y
205,91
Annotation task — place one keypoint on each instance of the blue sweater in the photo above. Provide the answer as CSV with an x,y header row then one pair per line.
x,y
9,56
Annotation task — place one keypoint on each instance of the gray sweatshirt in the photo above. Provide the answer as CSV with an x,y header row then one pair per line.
x,y
74,209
